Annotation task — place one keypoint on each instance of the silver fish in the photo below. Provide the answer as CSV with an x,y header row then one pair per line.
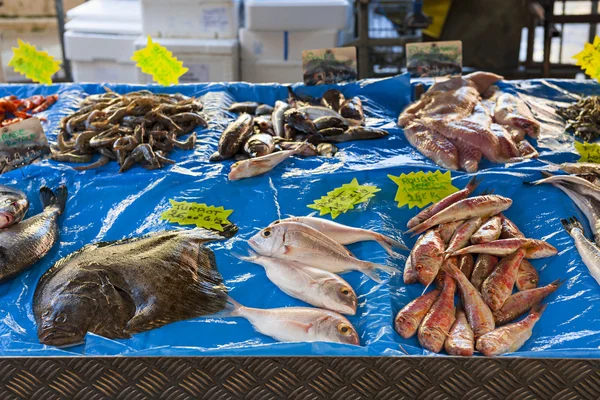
x,y
590,254
13,206
277,117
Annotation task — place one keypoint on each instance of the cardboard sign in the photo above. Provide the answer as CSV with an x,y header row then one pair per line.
x,y
158,61
329,66
21,144
201,215
434,59
39,66
589,58
418,189
344,198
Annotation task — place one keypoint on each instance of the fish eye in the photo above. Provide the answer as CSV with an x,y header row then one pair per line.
x,y
344,329
344,290
60,318
266,233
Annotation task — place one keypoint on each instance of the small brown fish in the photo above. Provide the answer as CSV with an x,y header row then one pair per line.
x,y
410,276
408,319
527,276
499,285
358,133
233,138
427,256
511,337
484,266
463,233
465,264
461,340
447,230
488,232
478,313
518,304
437,323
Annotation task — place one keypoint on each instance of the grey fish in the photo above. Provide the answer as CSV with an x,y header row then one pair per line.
x,y
277,118
326,149
589,207
116,289
259,145
335,131
590,254
329,122
13,206
27,242
248,107
263,109
234,137
303,149
299,121
333,99
358,133
353,109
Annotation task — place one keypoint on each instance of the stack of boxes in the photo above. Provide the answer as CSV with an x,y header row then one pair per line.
x,y
277,31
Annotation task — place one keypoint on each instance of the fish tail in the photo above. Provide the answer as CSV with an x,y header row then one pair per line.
x,y
571,223
538,309
388,244
231,307
557,283
52,199
372,271
473,183
250,257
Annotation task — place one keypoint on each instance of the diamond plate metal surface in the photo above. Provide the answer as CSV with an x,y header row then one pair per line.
x,y
310,378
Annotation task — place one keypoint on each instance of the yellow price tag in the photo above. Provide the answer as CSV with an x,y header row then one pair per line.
x,y
39,66
344,198
201,215
589,152
421,188
159,62
589,58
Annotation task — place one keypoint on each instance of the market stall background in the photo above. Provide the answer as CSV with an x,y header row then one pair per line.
x,y
104,205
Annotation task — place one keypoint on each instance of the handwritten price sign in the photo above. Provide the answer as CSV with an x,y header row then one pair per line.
x,y
418,189
158,61
201,215
36,65
344,198
589,152
589,58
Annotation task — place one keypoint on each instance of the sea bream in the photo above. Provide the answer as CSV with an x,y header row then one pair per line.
x,y
27,242
13,206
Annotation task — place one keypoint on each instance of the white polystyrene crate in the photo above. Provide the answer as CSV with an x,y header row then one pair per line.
x,y
104,71
284,45
215,60
271,71
209,19
296,15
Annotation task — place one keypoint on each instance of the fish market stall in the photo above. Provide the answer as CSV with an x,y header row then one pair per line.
x,y
77,305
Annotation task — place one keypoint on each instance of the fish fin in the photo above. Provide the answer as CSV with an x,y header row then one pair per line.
x,y
388,243
50,198
231,308
571,223
372,271
303,326
250,258
473,183
538,309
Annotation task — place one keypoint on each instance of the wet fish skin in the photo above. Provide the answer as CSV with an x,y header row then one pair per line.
x,y
259,145
432,145
409,276
298,324
461,340
235,135
333,99
478,313
258,165
590,254
484,266
527,276
330,122
512,111
589,208
299,242
535,249
24,244
263,109
447,230
248,107
277,117
303,149
299,121
358,133
314,286
498,286
511,337
436,325
509,229
13,206
327,149
489,231
518,303
501,247
427,256
478,206
344,234
463,233
352,109
409,318
466,264
443,204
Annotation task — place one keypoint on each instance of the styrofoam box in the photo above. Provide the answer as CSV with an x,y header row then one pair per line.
x,y
122,17
296,15
284,46
214,60
210,19
97,57
267,71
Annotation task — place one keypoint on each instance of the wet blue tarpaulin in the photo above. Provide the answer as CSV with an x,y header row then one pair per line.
x,y
104,205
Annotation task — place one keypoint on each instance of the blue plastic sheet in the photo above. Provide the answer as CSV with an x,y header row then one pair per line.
x,y
104,205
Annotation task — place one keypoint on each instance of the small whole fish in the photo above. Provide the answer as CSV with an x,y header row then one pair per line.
x,y
479,206
234,137
259,145
427,256
408,319
352,109
259,165
299,242
511,337
333,99
330,122
461,340
27,242
248,107
358,133
466,264
277,117
303,149
13,206
263,109
489,231
299,121
498,286
314,286
346,234
590,209
509,229
409,276
443,204
501,248
590,254
535,249
484,266
463,233
326,149
527,276
447,230
518,304
298,324
437,323
478,313
576,168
